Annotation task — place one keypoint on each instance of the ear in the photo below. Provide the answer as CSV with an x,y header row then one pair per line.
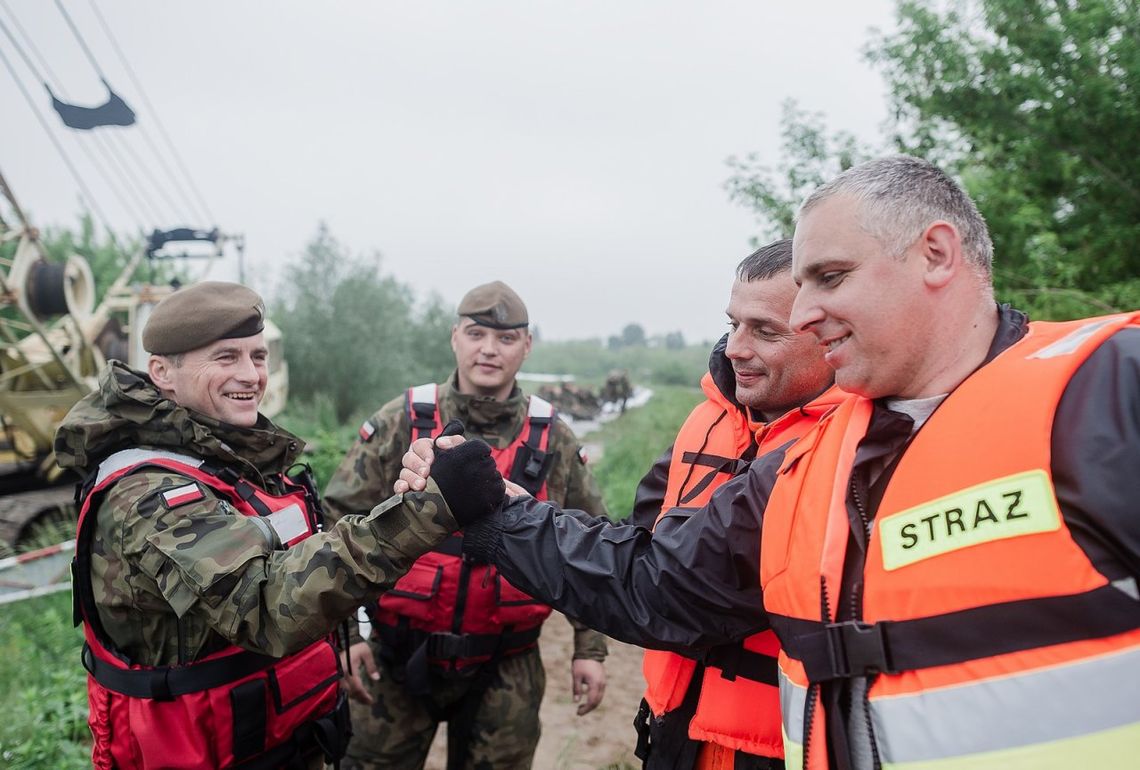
x,y
942,254
454,333
159,368
529,343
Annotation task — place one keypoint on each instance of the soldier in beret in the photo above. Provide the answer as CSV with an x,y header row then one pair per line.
x,y
454,642
208,590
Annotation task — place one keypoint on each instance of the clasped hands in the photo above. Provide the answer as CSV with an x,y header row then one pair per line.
x,y
463,470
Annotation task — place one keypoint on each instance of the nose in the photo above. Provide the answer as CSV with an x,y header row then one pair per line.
x,y
736,350
489,346
806,312
247,372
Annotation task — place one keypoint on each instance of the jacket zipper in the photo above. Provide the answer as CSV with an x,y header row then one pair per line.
x,y
814,690
857,615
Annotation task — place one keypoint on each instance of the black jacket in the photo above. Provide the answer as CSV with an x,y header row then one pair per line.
x,y
695,581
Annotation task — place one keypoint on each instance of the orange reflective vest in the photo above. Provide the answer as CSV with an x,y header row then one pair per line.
x,y
738,705
232,707
460,613
987,638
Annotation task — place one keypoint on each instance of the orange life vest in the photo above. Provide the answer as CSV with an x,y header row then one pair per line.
x,y
468,612
987,637
738,705
231,707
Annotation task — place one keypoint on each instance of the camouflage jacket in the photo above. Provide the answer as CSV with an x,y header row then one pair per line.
x,y
372,465
174,584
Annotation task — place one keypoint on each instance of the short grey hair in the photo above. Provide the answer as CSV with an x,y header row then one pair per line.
x,y
766,262
900,195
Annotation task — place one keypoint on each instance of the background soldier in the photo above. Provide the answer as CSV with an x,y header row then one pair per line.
x,y
455,642
207,596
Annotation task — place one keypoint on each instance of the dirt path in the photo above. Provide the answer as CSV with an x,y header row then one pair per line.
x,y
604,738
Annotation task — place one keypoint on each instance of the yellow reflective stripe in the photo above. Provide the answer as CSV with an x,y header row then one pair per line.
x,y
793,753
1030,708
1117,748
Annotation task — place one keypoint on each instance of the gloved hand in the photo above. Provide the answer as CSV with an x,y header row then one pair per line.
x,y
469,480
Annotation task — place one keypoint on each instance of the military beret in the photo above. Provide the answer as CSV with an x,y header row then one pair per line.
x,y
494,305
203,313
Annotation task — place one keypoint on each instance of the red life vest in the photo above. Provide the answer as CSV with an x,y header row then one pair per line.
x,y
227,708
987,638
738,706
467,611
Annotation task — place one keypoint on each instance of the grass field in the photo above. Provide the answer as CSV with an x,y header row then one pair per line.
x,y
43,719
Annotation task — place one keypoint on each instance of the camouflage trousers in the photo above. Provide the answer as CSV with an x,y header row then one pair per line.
x,y
396,731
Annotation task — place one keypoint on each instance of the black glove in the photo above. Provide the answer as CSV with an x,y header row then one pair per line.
x,y
469,480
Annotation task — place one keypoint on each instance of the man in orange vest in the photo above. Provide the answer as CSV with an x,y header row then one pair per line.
x,y
950,559
720,707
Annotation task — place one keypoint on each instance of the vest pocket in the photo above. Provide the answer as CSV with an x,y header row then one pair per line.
x,y
514,607
303,676
415,595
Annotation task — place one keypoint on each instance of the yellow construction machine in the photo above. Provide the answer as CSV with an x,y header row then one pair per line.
x,y
54,341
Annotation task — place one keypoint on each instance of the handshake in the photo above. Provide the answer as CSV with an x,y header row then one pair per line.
x,y
464,471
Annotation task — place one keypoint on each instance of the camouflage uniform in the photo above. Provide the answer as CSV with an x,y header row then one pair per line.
x,y
397,730
172,585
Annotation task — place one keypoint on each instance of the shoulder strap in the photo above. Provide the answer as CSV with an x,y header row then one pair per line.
x,y
423,410
128,458
532,460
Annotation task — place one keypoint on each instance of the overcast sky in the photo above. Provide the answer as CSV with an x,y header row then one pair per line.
x,y
575,150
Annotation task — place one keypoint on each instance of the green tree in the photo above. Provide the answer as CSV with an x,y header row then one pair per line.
x,y
809,157
1035,104
351,333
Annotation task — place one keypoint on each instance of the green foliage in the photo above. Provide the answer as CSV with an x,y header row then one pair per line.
x,y
354,334
808,158
43,716
635,439
326,439
589,360
1035,105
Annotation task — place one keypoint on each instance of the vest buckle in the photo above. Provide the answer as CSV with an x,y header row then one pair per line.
x,y
857,649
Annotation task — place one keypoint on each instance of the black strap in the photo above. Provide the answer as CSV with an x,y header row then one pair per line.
x,y
442,645
856,649
247,707
733,466
168,682
452,546
734,660
422,417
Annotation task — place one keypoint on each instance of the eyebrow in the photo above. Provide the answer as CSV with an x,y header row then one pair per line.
x,y
754,320
823,266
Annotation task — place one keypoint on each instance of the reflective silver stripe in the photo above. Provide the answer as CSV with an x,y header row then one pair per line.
x,y
539,408
130,457
1035,707
424,394
793,701
1070,341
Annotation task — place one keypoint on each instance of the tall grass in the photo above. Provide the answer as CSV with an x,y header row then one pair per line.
x,y
43,715
633,441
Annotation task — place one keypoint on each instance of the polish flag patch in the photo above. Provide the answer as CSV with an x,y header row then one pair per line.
x,y
366,430
188,493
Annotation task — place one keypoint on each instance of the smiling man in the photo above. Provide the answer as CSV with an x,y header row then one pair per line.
x,y
455,642
207,592
950,559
